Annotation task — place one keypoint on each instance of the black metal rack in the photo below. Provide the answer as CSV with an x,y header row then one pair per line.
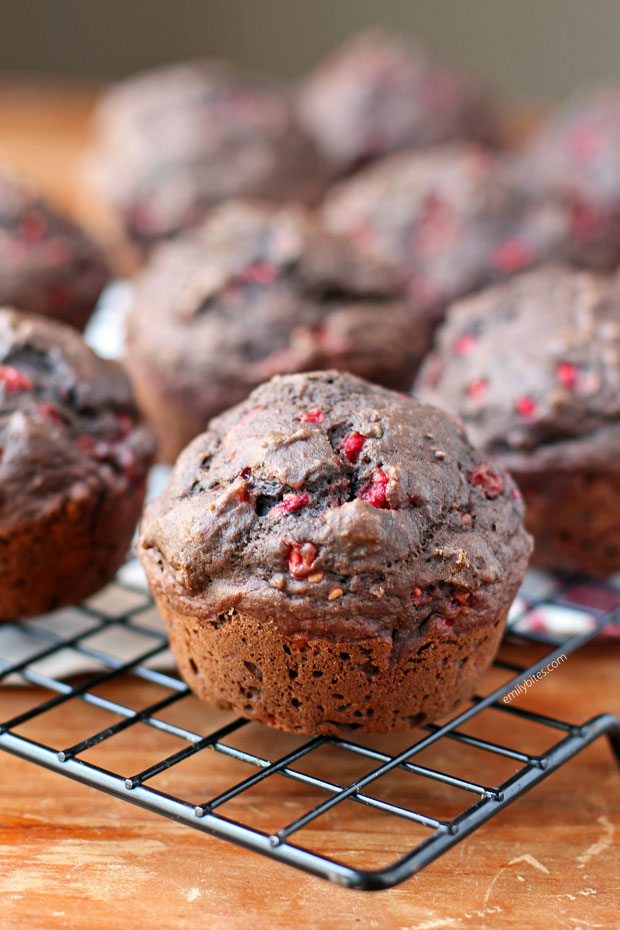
x,y
487,801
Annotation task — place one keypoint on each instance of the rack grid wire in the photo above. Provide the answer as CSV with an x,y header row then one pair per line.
x,y
599,600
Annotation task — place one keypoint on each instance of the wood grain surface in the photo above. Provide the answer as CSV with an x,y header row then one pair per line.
x,y
71,857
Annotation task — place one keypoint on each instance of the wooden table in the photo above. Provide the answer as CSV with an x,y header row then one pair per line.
x,y
72,857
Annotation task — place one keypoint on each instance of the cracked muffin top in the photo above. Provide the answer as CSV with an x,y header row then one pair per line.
x,y
332,506
172,142
68,421
380,92
48,264
532,366
260,290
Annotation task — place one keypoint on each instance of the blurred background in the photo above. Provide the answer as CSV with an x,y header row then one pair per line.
x,y
533,50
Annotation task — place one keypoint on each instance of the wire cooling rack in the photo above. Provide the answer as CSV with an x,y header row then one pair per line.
x,y
130,612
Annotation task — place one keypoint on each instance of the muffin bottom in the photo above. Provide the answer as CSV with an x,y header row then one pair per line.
x,y
68,553
314,685
574,518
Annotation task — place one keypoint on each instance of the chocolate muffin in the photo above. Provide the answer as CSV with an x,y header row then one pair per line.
x,y
532,366
260,290
575,155
451,218
48,265
380,92
73,461
333,556
171,143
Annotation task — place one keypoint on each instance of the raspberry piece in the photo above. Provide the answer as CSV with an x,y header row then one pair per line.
x,y
488,480
291,503
352,445
585,142
312,416
511,255
526,407
51,412
462,598
375,493
249,416
125,424
258,273
446,623
478,388
32,226
567,374
14,380
246,472
464,344
586,220
301,558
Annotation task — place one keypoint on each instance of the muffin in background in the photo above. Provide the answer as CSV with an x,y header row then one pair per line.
x,y
380,92
331,556
172,142
532,367
260,290
575,155
74,456
48,264
451,218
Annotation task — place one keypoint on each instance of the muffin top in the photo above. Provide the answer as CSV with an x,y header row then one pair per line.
x,y
532,366
260,290
335,507
450,217
577,149
171,142
380,92
48,264
68,422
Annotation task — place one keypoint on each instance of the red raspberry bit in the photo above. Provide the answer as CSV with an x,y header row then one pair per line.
x,y
246,472
301,559
375,493
526,407
586,220
567,375
312,416
14,380
585,142
477,389
488,480
258,273
125,424
445,623
466,519
243,495
510,256
50,412
291,503
516,494
32,226
249,416
352,446
462,598
464,344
